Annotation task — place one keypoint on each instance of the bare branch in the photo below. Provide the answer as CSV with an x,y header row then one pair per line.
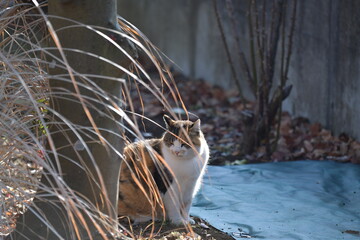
x,y
232,67
243,63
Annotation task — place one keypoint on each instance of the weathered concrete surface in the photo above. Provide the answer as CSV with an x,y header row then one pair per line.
x,y
344,93
325,68
186,31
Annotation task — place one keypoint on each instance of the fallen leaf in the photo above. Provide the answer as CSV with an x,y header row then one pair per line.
x,y
318,153
315,128
203,225
308,146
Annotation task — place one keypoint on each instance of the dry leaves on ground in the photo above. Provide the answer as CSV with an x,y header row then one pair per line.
x,y
18,181
220,112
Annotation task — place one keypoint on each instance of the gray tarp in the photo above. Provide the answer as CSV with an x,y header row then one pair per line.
x,y
307,200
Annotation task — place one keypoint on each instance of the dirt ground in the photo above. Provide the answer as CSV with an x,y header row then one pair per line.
x,y
166,231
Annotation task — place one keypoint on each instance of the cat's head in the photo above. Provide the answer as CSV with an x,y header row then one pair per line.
x,y
183,138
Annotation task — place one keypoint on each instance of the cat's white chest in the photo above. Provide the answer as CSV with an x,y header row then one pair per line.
x,y
187,173
184,168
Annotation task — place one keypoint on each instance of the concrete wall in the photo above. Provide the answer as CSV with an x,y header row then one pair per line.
x,y
325,67
186,31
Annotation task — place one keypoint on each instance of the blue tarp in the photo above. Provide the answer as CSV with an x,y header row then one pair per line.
x,y
303,200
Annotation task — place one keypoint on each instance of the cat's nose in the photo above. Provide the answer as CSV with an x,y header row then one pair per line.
x,y
177,153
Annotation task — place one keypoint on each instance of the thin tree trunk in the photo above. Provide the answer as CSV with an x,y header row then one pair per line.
x,y
91,170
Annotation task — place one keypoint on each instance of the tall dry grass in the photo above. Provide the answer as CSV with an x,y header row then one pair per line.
x,y
26,112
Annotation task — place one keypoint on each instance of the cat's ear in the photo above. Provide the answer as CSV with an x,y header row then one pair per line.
x,y
196,126
168,121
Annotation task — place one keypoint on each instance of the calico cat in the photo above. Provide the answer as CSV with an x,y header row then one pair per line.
x,y
159,177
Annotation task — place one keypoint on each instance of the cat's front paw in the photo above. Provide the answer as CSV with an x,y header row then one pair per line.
x,y
181,221
191,221
140,219
177,221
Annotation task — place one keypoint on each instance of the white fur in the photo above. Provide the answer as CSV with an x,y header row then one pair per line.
x,y
188,167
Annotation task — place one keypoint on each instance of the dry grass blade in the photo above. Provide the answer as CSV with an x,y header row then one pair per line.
x,y
27,116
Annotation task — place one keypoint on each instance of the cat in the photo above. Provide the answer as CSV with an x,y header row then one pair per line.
x,y
160,177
